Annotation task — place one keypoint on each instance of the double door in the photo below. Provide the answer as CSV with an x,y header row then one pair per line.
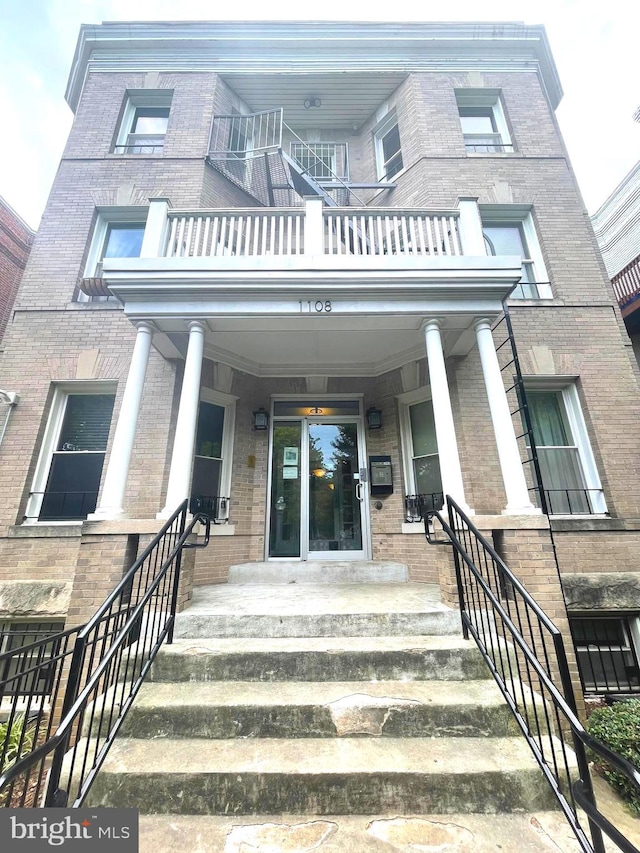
x,y
318,495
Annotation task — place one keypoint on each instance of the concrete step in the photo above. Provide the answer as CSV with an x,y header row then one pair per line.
x,y
320,659
320,709
539,832
319,571
316,610
327,776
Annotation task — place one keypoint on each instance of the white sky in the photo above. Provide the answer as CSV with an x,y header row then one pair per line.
x,y
595,45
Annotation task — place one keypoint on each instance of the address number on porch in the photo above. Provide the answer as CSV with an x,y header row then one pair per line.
x,y
320,306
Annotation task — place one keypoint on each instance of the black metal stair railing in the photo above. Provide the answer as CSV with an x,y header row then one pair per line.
x,y
60,737
526,655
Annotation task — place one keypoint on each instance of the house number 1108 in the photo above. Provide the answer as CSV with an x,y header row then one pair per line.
x,y
319,306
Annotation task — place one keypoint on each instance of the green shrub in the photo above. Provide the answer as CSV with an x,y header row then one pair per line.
x,y
618,726
11,738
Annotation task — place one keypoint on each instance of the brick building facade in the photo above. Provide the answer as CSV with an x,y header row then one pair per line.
x,y
179,285
15,243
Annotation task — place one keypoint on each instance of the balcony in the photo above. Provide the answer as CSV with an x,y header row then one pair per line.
x,y
315,246
317,289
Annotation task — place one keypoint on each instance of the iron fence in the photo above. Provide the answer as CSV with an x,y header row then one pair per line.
x,y
101,668
526,655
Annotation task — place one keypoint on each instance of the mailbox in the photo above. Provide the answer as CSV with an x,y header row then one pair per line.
x,y
380,475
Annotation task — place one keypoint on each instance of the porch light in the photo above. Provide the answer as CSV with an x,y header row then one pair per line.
x,y
261,419
312,102
374,418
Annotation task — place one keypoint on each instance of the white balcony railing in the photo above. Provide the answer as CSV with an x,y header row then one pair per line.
x,y
329,231
391,232
210,234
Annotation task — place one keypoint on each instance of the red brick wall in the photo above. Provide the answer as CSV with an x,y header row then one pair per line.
x,y
15,244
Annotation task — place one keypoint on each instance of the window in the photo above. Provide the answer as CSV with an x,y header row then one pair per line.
x,y
321,160
509,230
483,122
422,462
567,467
38,673
211,481
70,465
606,652
388,150
144,122
119,233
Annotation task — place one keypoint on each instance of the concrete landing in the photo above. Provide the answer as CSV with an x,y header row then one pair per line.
x,y
316,610
319,571
463,833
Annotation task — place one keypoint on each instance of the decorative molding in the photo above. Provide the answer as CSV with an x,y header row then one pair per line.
x,y
241,47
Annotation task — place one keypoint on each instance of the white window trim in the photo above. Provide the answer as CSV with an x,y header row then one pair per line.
x,y
140,98
521,214
107,216
489,99
577,424
405,401
228,402
57,411
383,126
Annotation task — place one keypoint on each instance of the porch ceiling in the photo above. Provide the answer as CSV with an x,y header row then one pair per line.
x,y
337,346
343,107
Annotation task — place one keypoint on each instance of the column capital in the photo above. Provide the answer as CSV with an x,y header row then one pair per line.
x,y
431,323
481,323
146,326
197,325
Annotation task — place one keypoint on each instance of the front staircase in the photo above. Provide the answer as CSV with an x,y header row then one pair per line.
x,y
337,710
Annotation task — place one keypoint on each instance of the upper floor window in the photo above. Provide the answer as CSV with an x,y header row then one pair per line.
x,y
483,122
118,233
321,160
567,466
69,469
144,122
388,149
509,230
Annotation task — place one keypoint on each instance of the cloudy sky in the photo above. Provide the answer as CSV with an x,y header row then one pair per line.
x,y
594,44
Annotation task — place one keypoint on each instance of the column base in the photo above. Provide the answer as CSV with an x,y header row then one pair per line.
x,y
106,513
522,510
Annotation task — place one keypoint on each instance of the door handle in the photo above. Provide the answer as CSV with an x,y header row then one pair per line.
x,y
359,491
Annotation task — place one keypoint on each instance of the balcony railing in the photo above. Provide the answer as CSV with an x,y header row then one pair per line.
x,y
486,143
291,231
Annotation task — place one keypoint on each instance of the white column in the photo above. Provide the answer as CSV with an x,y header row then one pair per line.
x,y
185,438
515,484
470,225
443,416
115,480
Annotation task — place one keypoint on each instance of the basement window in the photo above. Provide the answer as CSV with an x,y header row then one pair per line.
x,y
606,650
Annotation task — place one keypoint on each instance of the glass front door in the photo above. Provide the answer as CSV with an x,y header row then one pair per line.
x,y
318,500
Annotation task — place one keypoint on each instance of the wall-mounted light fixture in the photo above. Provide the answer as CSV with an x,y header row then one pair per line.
x,y
374,418
312,102
261,419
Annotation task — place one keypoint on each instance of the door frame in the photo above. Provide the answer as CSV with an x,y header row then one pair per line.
x,y
359,420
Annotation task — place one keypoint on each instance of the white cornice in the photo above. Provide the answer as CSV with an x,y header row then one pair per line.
x,y
310,47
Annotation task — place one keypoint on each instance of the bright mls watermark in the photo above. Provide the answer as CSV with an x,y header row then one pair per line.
x,y
77,830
